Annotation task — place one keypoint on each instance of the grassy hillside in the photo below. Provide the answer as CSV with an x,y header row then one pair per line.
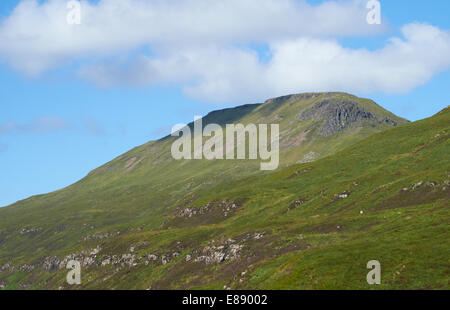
x,y
138,186
144,220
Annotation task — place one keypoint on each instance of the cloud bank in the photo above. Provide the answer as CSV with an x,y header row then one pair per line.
x,y
205,46
52,124
304,64
39,37
43,124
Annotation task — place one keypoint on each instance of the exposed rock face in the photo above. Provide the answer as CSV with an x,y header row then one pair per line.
x,y
339,114
152,257
226,206
308,158
6,267
295,204
218,254
24,231
52,263
100,236
227,251
26,268
344,195
190,212
416,186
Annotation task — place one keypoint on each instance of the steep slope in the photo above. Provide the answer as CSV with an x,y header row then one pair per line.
x,y
131,201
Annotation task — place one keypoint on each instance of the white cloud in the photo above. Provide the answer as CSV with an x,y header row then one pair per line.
x,y
305,64
403,64
204,46
43,124
51,124
39,38
93,127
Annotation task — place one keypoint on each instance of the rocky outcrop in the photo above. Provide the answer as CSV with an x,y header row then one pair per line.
x,y
218,253
309,158
295,204
298,173
27,268
24,231
338,114
225,207
343,195
6,267
444,185
101,236
212,254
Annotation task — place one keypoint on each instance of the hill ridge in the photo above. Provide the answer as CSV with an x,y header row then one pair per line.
x,y
305,226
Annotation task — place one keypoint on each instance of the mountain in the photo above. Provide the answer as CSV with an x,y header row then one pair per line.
x,y
351,188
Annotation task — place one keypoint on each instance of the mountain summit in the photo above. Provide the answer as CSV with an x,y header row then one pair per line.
x,y
145,219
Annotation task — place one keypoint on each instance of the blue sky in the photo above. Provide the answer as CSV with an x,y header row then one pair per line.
x,y
62,120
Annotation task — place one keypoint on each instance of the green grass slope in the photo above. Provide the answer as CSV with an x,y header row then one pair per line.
x,y
139,185
197,224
